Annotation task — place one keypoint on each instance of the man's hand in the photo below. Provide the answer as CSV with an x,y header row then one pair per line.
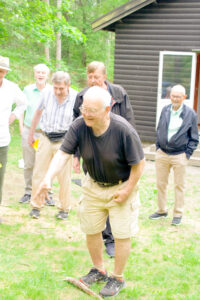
x,y
12,118
120,196
76,165
31,139
42,192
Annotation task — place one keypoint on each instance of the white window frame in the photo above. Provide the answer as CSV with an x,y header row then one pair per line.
x,y
162,102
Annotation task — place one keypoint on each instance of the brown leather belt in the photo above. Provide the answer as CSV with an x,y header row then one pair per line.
x,y
108,184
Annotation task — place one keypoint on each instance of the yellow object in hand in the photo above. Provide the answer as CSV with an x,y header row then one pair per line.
x,y
35,144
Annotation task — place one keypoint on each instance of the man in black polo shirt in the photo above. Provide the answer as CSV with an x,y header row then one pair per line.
x,y
112,151
120,105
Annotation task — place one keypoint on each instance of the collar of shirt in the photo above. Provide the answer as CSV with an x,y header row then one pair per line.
x,y
67,99
35,87
176,112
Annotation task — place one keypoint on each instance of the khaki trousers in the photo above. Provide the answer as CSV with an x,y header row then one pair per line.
x,y
44,154
29,159
96,203
164,163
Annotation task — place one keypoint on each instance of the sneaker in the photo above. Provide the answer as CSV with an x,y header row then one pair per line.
x,y
50,202
35,213
94,276
110,249
62,215
112,287
156,216
77,181
25,199
176,221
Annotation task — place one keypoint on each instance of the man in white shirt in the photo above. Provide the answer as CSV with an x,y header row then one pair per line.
x,y
10,93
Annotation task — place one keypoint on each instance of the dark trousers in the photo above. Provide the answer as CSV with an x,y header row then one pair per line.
x,y
107,233
3,162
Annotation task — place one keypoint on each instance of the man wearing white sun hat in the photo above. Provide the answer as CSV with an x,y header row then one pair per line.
x,y
10,93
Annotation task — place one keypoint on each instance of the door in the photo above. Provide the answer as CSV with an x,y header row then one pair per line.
x,y
197,88
175,68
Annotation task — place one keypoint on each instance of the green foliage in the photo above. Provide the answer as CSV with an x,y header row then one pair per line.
x,y
33,21
26,26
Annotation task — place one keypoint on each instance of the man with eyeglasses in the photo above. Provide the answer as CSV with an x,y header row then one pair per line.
x,y
177,138
120,105
113,154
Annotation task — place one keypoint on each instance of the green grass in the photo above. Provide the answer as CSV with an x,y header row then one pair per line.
x,y
36,255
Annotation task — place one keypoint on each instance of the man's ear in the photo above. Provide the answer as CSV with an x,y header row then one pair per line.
x,y
108,108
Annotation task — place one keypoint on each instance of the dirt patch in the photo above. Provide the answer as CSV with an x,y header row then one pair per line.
x,y
14,213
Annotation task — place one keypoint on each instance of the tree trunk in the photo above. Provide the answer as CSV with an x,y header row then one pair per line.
x,y
84,56
58,37
46,48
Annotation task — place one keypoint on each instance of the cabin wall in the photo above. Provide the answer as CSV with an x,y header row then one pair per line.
x,y
168,25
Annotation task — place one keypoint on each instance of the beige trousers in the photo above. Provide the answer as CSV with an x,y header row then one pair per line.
x,y
97,203
45,153
164,163
29,159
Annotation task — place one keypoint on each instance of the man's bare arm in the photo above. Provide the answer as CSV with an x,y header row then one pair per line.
x,y
58,162
35,121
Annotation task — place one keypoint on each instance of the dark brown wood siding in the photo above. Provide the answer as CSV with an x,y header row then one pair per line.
x,y
171,25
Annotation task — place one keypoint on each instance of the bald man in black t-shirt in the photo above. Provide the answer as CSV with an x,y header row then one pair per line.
x,y
112,151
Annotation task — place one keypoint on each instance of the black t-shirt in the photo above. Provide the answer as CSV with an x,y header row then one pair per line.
x,y
108,157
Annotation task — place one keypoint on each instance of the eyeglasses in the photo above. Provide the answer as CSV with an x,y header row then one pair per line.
x,y
91,111
176,97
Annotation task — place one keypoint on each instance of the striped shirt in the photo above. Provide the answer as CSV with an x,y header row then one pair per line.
x,y
56,117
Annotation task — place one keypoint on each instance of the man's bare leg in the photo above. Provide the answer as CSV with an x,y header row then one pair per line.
x,y
122,251
95,247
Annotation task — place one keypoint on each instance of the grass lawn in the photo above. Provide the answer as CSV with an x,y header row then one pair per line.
x,y
36,255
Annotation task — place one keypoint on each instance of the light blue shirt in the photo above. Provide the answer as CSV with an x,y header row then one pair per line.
x,y
33,97
175,121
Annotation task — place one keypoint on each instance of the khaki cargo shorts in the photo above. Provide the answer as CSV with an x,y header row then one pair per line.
x,y
97,203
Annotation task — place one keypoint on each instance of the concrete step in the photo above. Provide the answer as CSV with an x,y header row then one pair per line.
x,y
194,160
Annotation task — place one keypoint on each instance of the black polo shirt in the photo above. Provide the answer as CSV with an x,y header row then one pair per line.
x,y
108,157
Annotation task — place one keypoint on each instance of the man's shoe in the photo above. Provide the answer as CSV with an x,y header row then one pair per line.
x,y
156,216
77,181
35,213
112,287
176,221
94,276
25,199
110,249
62,215
50,202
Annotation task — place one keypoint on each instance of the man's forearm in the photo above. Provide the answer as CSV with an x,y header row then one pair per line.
x,y
58,162
135,174
35,121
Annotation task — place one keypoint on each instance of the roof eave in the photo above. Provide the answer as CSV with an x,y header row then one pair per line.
x,y
119,13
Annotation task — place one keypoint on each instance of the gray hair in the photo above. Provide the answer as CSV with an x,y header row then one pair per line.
x,y
178,88
61,76
42,67
94,65
99,93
